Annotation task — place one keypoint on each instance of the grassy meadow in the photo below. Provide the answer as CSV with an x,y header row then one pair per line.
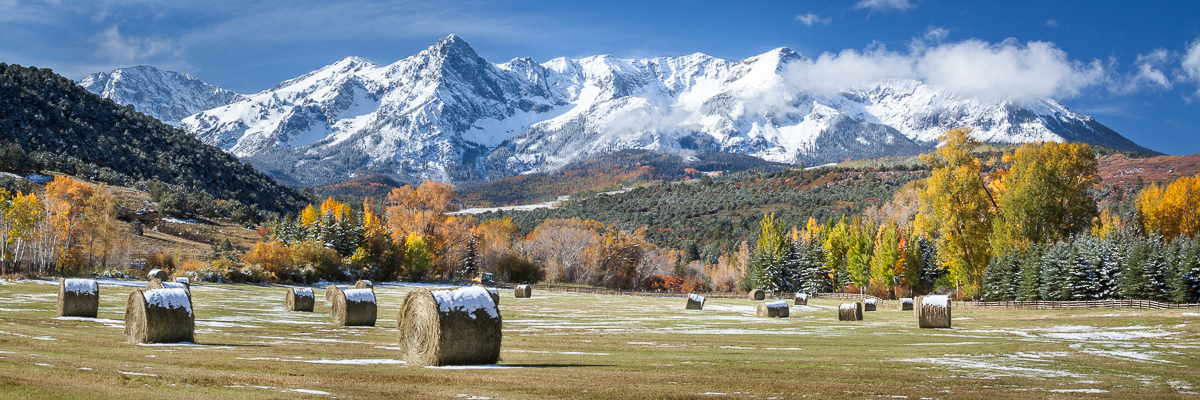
x,y
562,345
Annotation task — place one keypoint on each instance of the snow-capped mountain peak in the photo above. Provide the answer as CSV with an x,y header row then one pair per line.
x,y
447,114
167,95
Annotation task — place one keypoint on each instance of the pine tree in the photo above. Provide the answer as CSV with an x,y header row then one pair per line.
x,y
470,263
999,282
1031,274
1058,281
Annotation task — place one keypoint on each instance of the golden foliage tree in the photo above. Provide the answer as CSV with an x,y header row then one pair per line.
x,y
1172,211
422,211
957,209
274,257
1044,196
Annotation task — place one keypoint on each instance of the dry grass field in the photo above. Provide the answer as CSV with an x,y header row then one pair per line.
x,y
559,345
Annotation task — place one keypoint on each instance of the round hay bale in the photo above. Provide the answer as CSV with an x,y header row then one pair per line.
x,y
157,284
331,291
450,327
354,307
802,299
185,281
756,294
493,292
934,312
364,284
159,316
523,291
300,299
157,274
869,305
78,298
906,304
850,311
775,309
695,302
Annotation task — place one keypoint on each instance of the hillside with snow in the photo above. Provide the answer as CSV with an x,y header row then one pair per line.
x,y
167,95
448,114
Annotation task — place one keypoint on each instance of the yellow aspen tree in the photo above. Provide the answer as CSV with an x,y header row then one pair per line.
x,y
957,206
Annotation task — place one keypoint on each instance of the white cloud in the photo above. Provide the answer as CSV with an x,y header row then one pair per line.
x,y
884,5
810,19
124,50
974,68
1149,69
936,34
1191,62
1052,23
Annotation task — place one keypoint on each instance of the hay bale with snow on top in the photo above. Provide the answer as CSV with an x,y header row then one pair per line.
x,y
157,284
354,307
869,305
364,284
493,292
906,304
300,299
331,291
850,311
159,316
934,312
185,281
523,291
695,302
156,274
775,309
450,327
78,298
802,299
756,294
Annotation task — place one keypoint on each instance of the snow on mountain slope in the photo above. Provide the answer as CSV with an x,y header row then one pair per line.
x,y
447,114
167,95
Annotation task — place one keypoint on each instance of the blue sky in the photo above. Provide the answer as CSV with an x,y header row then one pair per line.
x,y
1135,66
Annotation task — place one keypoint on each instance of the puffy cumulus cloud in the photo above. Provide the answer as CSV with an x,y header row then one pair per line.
x,y
118,48
884,5
974,68
832,72
1191,62
811,19
1007,70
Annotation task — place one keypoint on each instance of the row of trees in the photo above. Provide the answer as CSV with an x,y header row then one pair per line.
x,y
73,225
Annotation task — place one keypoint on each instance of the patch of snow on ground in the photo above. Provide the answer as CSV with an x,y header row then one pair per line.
x,y
135,373
1079,391
991,368
306,391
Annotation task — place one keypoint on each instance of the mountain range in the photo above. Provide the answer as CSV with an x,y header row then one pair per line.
x,y
448,114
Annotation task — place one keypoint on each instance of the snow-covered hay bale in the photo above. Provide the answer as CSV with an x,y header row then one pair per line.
x,y
159,316
156,274
802,299
300,299
756,294
523,291
331,291
157,284
906,304
493,292
354,307
695,302
78,298
775,309
364,284
850,311
869,305
185,281
450,327
934,312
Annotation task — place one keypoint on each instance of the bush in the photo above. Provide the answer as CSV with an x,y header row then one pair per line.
x,y
325,262
514,268
160,260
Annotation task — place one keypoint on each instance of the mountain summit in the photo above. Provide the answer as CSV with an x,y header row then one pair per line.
x,y
167,95
449,115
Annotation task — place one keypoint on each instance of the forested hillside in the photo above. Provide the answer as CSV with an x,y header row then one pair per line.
x,y
714,214
50,123
623,168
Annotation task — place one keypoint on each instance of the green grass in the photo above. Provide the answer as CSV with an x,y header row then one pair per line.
x,y
596,346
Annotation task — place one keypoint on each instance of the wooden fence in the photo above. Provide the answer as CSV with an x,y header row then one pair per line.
x,y
1059,305
1047,305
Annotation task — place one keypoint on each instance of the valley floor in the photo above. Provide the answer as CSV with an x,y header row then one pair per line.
x,y
561,345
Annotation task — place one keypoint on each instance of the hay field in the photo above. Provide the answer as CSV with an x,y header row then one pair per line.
x,y
559,345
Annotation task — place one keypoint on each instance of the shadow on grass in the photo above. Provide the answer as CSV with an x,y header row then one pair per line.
x,y
556,365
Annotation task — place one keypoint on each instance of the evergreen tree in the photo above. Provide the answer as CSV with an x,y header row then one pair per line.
x,y
1001,282
1057,264
470,262
1031,274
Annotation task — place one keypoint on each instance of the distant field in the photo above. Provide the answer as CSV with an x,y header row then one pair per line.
x,y
560,345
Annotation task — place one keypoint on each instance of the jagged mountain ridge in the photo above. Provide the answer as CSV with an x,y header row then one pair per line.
x,y
447,114
166,95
